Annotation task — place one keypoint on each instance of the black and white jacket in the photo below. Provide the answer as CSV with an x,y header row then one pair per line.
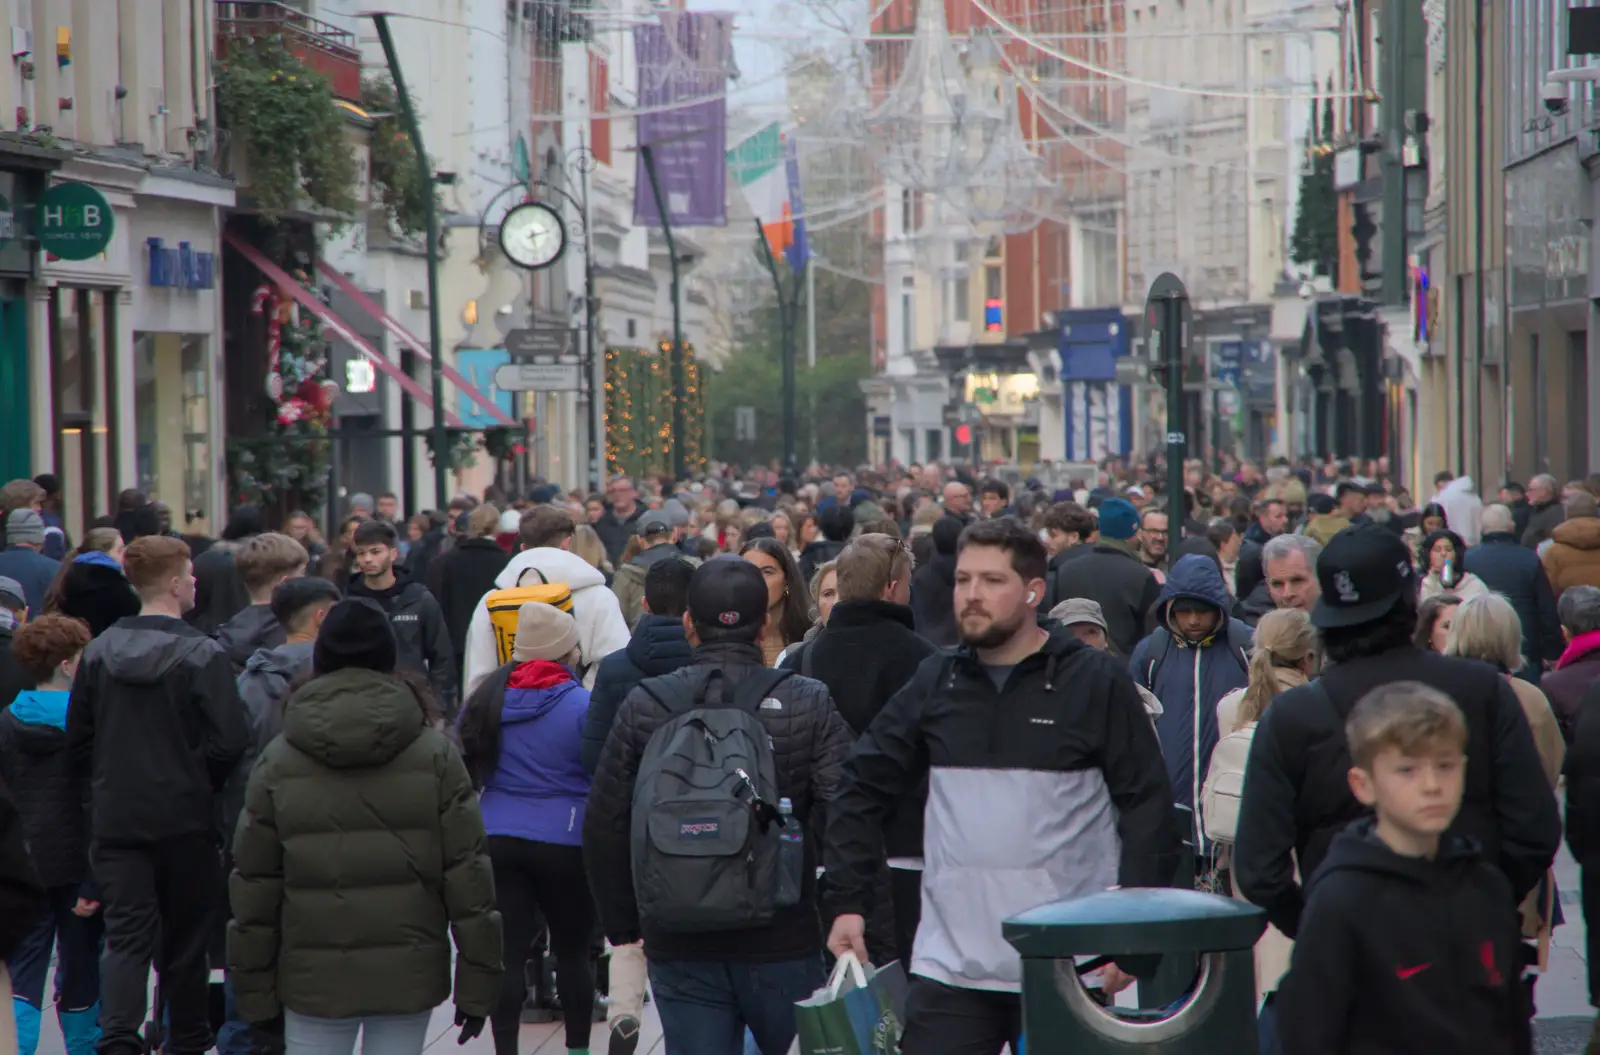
x,y
1050,787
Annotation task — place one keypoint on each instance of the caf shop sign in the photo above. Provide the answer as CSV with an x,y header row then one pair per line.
x,y
74,221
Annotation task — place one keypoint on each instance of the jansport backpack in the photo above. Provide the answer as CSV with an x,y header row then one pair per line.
x,y
704,842
504,605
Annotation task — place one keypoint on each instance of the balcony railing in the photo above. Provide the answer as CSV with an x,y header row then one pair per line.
x,y
323,47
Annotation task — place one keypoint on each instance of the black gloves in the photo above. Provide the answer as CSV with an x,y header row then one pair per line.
x,y
266,1038
471,1025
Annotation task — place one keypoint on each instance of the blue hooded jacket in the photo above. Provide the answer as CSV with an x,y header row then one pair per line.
x,y
1189,678
538,788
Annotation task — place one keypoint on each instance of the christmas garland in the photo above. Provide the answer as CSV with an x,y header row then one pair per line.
x,y
287,467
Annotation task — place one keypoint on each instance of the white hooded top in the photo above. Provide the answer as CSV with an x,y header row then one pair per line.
x,y
601,628
1463,509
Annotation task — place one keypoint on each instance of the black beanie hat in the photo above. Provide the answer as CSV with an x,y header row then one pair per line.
x,y
356,633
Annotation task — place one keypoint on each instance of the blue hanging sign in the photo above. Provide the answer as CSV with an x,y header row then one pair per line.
x,y
181,268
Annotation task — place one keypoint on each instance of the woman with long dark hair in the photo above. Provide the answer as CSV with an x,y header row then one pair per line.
x,y
522,739
1441,567
788,599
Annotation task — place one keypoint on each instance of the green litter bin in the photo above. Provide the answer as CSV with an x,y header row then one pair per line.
x,y
1215,1016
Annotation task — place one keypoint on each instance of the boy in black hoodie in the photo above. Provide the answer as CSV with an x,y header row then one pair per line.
x,y
265,562
1409,941
416,617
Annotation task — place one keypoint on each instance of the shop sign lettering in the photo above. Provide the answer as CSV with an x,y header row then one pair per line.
x,y
181,268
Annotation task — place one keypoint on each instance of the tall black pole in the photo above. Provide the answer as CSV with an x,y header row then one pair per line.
x,y
591,308
678,394
1177,441
441,441
788,312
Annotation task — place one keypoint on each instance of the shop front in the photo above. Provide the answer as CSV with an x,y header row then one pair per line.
x,y
83,336
176,322
24,169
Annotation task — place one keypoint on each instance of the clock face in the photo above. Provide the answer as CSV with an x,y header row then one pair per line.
x,y
532,235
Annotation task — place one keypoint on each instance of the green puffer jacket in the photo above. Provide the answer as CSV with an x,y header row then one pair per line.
x,y
359,848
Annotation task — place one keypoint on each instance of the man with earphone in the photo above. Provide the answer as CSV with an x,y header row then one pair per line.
x,y
1045,782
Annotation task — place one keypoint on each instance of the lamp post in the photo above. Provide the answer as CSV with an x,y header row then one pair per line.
x,y
678,394
441,442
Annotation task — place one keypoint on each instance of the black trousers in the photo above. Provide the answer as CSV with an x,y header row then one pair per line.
x,y
905,885
159,900
944,1020
531,878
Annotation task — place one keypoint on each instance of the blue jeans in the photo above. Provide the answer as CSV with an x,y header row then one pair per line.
x,y
380,1034
705,1006
234,1038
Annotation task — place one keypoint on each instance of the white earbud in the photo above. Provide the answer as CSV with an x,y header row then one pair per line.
x,y
1030,596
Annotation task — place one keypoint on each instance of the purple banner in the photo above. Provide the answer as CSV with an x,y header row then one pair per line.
x,y
686,58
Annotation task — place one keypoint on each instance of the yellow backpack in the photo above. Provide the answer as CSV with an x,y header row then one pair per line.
x,y
504,605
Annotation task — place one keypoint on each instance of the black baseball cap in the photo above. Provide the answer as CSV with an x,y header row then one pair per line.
x,y
1364,571
727,593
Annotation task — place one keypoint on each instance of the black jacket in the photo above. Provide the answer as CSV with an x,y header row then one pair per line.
x,y
35,766
21,894
1542,519
1297,792
1248,572
419,628
1516,571
1250,607
12,680
1403,955
614,531
816,554
866,654
1051,787
219,593
459,579
254,627
809,742
426,551
1114,577
933,602
1582,770
98,595
154,726
658,646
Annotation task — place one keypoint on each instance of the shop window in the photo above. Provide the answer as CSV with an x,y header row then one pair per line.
x,y
82,328
172,415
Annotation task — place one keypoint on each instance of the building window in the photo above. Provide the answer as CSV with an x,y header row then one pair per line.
x,y
906,323
172,416
633,329
993,299
908,211
962,295
82,373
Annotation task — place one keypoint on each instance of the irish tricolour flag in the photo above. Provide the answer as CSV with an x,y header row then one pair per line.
x,y
761,166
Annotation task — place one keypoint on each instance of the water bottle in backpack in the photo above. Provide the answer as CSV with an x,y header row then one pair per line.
x,y
791,856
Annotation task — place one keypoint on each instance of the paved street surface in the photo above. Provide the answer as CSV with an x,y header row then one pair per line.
x,y
1562,1027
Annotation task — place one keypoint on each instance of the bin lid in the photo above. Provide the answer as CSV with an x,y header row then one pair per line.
x,y
1142,920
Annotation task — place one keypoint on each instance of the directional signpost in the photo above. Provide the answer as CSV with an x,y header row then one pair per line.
x,y
537,377
525,343
1167,316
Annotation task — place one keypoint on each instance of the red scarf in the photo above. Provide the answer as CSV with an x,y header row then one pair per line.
x,y
1579,647
538,674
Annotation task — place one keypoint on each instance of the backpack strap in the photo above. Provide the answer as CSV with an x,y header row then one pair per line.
x,y
1157,660
749,693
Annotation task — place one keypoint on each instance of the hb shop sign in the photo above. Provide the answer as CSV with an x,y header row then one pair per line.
x,y
181,268
75,221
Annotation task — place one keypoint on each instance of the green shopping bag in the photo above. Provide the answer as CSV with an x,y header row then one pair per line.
x,y
861,1011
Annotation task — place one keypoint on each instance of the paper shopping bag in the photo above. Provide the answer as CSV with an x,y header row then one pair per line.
x,y
861,1011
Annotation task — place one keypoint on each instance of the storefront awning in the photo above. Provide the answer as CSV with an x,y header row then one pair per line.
x,y
405,336
284,281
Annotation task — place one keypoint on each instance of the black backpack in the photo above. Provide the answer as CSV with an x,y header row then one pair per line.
x,y
705,835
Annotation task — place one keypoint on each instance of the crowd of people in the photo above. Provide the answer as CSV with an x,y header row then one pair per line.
x,y
693,739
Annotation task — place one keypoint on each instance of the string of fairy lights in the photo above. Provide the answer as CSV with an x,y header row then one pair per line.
x,y
639,405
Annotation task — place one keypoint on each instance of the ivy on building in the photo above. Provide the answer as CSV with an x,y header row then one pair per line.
x,y
1315,241
397,184
293,133
639,403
